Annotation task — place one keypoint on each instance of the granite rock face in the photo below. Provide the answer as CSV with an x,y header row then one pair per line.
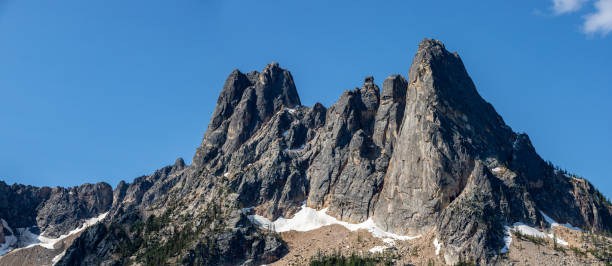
x,y
247,101
54,211
423,155
66,208
27,212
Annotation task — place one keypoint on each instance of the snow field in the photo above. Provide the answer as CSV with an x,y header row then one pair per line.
x,y
28,239
528,230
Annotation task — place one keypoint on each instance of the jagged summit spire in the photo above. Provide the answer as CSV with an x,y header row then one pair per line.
x,y
179,164
429,43
438,79
276,84
247,101
273,66
432,58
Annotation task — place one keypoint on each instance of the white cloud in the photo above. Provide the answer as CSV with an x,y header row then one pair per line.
x,y
567,6
601,20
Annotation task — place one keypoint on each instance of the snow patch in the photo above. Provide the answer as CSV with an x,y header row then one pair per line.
x,y
554,223
527,230
9,240
507,240
308,219
496,170
389,241
438,245
296,149
49,243
378,249
226,174
558,240
301,147
28,239
291,110
58,257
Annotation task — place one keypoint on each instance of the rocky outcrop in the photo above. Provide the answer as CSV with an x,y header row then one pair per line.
x,y
18,203
175,215
246,102
53,211
424,156
345,152
66,208
449,136
28,211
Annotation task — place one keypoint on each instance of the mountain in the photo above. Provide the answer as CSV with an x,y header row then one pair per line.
x,y
37,217
425,159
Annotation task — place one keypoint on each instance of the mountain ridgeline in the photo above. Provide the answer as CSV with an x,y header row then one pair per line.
x,y
424,155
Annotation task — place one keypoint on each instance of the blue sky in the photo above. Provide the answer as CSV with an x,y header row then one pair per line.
x,y
110,90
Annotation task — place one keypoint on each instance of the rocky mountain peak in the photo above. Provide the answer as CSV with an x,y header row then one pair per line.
x,y
274,89
433,60
429,44
245,103
179,165
442,88
426,158
368,82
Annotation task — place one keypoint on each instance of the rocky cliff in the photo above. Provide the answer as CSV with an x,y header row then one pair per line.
x,y
53,211
424,155
43,219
